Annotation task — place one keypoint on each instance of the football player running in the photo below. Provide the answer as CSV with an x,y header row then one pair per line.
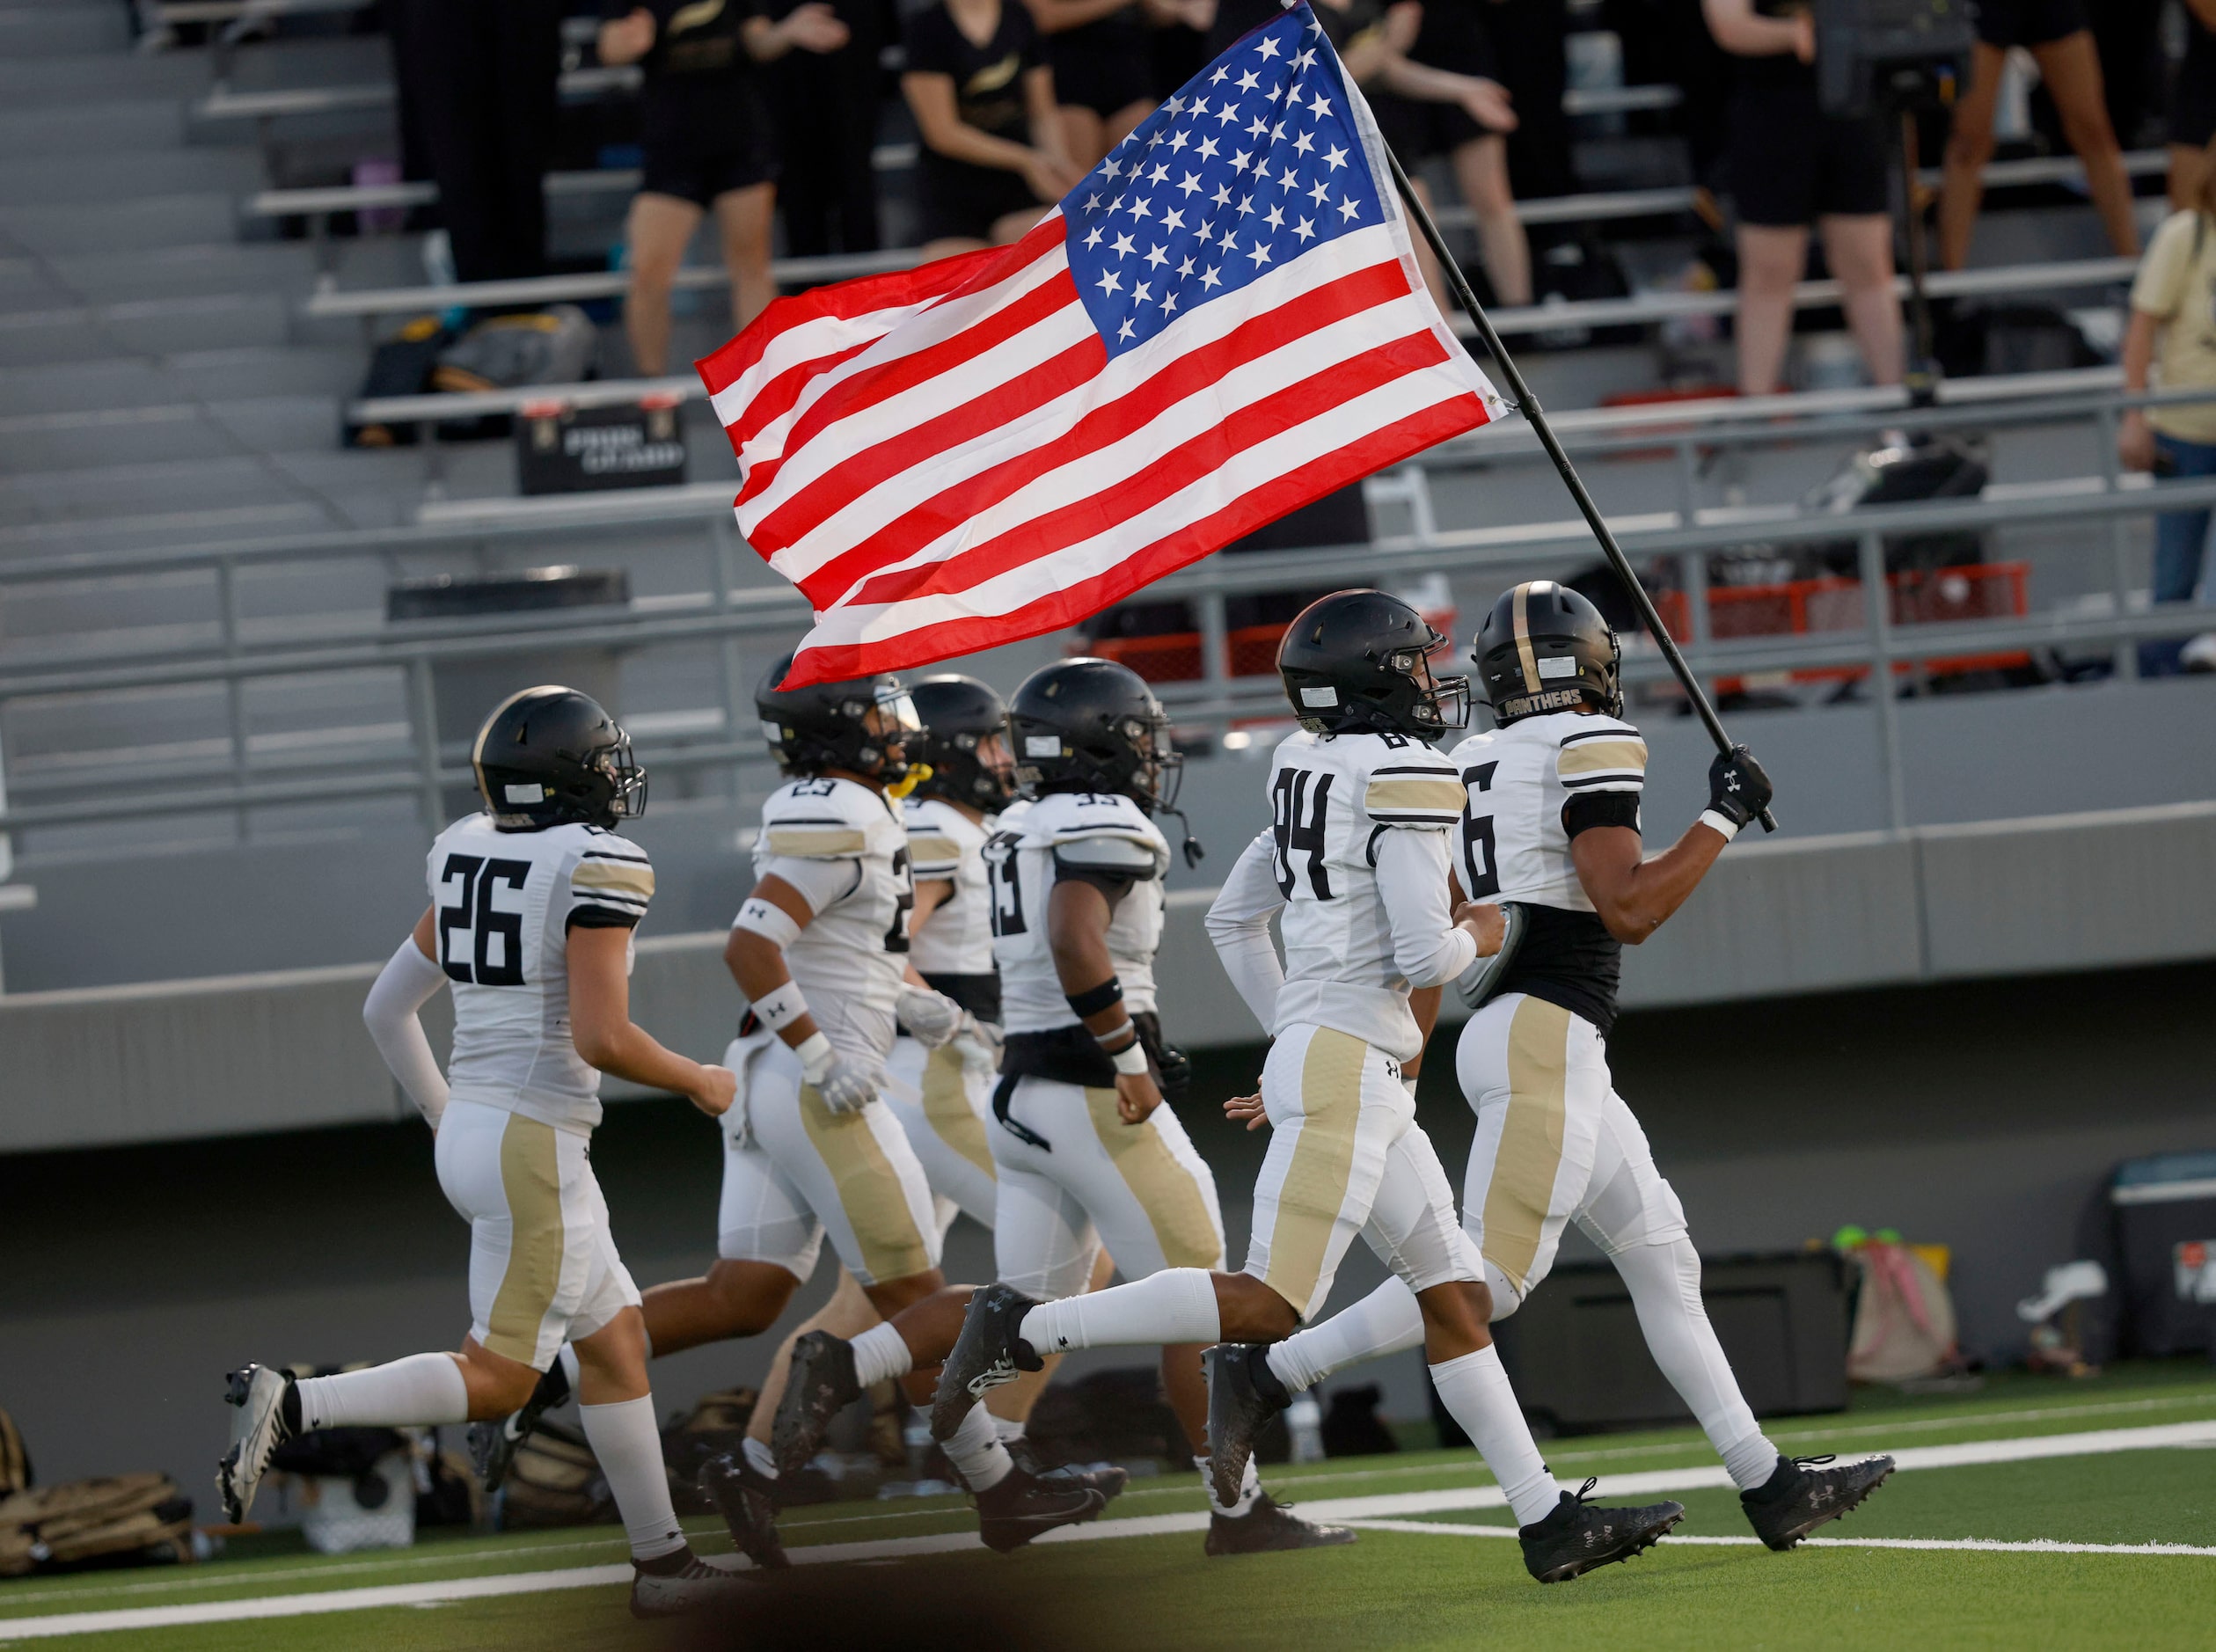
x,y
942,1096
1085,1153
1550,829
533,905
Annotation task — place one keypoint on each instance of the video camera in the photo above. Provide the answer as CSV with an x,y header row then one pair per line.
x,y
1866,49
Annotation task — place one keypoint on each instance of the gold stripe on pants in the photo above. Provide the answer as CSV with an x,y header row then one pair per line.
x,y
1166,1190
947,1107
530,1181
1314,1189
869,1189
1529,1154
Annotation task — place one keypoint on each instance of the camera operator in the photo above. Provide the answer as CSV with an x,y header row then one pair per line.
x,y
1790,165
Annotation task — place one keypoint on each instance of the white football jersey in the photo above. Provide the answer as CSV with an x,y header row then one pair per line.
x,y
945,842
1036,844
1516,781
844,846
505,901
1331,798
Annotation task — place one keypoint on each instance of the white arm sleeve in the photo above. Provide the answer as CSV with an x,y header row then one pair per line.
x,y
405,986
1238,924
1427,947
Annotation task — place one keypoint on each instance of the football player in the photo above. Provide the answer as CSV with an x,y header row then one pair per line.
x,y
1550,829
1085,1151
534,902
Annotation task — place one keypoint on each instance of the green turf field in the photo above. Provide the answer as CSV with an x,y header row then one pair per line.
x,y
2127,1459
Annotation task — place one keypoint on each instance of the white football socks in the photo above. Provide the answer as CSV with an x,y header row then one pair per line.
x,y
1476,1393
1007,1430
628,1447
1385,1321
977,1453
1665,1282
567,1360
1249,1488
879,1353
1177,1304
421,1391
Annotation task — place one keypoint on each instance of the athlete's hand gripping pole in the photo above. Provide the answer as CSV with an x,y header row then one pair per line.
x,y
1528,405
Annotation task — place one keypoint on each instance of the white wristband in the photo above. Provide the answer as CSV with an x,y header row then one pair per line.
x,y
1716,822
816,1057
780,1008
1130,1059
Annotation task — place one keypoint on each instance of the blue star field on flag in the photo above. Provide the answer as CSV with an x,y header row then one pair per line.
x,y
1256,160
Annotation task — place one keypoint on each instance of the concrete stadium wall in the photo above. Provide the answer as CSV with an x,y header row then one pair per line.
x,y
239,1054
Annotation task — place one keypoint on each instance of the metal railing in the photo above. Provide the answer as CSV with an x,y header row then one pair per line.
x,y
729,615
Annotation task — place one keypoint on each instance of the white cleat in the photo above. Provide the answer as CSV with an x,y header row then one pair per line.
x,y
703,1586
256,1431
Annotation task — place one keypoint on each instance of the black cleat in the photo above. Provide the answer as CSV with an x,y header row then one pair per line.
x,y
493,1445
1802,1494
747,1500
1578,1536
265,1422
989,1353
1243,1394
1022,1506
819,1385
1270,1525
699,1586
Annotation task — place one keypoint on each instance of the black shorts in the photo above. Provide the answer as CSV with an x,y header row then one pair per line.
x,y
694,153
2193,99
2006,23
1103,66
960,200
1453,38
1416,131
1789,164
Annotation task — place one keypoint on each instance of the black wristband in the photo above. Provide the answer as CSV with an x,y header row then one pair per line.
x,y
1093,1000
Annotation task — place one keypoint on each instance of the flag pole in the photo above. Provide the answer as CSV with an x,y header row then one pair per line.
x,y
1528,406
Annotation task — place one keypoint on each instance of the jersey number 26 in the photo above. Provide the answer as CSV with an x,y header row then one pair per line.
x,y
479,924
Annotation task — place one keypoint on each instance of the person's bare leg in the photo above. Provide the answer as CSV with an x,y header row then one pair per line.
x,y
848,1314
1859,250
1969,147
1185,1386
1011,227
742,215
733,1298
497,1384
611,1363
894,1298
1433,277
2187,168
658,229
1481,169
1771,260
2071,67
1084,134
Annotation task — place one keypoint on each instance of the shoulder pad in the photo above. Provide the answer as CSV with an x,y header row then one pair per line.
x,y
937,836
1606,754
612,871
823,820
1102,831
1412,786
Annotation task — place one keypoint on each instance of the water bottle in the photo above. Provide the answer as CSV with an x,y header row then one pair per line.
x,y
1304,1420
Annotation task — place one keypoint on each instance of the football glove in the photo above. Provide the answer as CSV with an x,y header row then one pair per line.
x,y
1738,789
845,1085
930,1018
978,1042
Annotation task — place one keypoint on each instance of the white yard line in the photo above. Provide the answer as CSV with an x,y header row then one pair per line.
x,y
1372,1510
1986,1546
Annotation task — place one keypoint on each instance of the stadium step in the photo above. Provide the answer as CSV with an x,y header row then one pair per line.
x,y
148,327
122,175
61,31
259,370
38,442
91,127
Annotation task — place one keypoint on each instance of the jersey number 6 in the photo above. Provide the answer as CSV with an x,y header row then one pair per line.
x,y
1481,863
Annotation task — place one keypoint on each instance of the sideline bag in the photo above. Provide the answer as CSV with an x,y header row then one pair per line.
x,y
555,1480
14,1461
1903,1319
124,1520
713,1427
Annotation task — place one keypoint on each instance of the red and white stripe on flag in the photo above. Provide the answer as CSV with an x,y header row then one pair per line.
x,y
966,454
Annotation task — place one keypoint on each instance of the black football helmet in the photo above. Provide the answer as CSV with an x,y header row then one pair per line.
x,y
959,714
551,756
1089,725
1545,648
828,725
1358,662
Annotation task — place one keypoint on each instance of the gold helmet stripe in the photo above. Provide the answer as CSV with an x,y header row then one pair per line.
x,y
1523,637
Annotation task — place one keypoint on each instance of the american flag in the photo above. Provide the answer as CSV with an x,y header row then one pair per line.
x,y
1222,322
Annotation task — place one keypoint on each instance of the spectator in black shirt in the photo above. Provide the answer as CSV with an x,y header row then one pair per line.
x,y
1097,51
826,107
993,158
708,147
